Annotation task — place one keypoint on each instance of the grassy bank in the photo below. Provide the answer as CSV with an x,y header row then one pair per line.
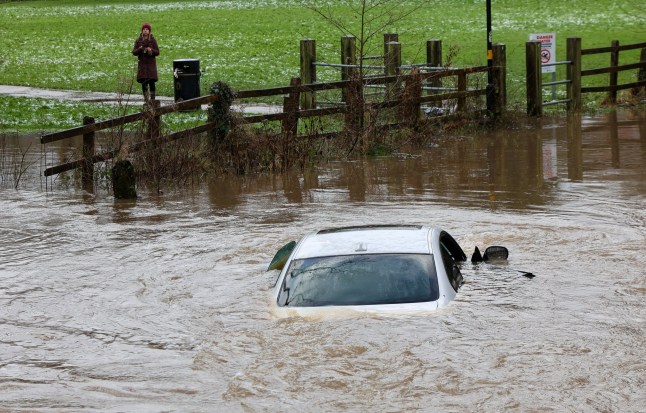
x,y
85,45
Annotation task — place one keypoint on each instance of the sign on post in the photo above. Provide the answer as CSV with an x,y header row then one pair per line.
x,y
548,50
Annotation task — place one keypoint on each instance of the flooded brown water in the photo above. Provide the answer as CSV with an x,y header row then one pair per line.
x,y
161,304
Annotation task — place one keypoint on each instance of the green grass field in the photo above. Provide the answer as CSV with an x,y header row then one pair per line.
x,y
85,45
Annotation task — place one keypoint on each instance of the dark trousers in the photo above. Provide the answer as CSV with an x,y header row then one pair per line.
x,y
148,83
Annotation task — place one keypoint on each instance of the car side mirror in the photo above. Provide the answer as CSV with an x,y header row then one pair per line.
x,y
279,260
495,252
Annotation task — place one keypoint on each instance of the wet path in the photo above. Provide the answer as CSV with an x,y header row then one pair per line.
x,y
114,98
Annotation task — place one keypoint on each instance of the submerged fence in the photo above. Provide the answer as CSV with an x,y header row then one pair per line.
x,y
575,73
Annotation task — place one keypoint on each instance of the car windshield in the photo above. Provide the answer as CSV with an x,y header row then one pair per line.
x,y
360,280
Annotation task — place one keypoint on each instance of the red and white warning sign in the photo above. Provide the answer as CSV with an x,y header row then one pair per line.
x,y
548,49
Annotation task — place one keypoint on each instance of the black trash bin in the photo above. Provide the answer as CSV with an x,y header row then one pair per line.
x,y
186,76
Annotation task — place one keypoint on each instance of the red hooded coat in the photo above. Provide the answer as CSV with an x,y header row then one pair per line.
x,y
147,67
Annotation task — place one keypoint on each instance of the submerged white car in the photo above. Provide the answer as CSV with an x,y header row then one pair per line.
x,y
381,268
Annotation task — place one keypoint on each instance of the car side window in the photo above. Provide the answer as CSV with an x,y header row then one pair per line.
x,y
451,253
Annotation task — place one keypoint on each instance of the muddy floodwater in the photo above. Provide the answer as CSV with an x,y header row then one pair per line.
x,y
161,305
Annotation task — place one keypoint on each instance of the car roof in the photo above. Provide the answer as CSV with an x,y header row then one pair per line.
x,y
372,239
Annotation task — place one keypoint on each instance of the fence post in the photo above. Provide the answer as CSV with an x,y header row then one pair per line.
x,y
462,88
393,61
308,71
157,119
410,107
87,168
614,62
573,74
434,59
388,38
641,75
152,119
354,115
290,108
348,57
500,77
534,78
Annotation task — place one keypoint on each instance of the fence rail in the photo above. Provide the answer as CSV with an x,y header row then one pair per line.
x,y
423,85
411,94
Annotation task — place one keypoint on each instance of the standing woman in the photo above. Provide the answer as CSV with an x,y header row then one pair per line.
x,y
146,49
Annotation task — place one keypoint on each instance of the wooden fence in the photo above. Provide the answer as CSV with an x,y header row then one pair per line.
x,y
408,92
575,73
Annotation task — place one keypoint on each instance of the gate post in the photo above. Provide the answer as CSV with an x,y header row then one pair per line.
x,y
573,74
308,71
534,78
87,168
500,77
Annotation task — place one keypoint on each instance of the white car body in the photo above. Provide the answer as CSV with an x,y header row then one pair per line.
x,y
374,240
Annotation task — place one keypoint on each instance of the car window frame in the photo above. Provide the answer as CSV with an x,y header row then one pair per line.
x,y
452,253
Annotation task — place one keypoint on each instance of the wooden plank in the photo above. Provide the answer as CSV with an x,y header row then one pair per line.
x,y
123,120
305,88
257,93
620,68
306,113
609,49
81,130
136,147
611,88
78,163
